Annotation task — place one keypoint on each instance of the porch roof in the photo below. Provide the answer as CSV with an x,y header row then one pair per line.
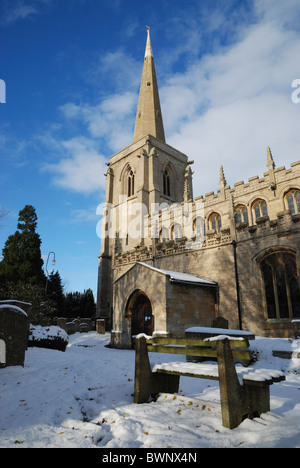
x,y
176,276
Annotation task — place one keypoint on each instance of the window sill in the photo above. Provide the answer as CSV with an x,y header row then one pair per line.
x,y
262,219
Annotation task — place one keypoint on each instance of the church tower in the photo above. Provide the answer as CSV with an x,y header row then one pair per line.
x,y
141,180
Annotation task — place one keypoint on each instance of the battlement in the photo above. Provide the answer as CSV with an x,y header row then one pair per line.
x,y
255,185
283,224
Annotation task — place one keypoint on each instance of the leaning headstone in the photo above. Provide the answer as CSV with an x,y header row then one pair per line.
x,y
14,330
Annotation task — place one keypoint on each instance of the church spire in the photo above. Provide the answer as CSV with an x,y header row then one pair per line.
x,y
148,117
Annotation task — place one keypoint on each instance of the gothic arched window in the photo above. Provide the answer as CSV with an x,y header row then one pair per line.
x,y
281,285
293,201
130,183
199,227
260,209
176,232
241,214
215,222
166,183
164,234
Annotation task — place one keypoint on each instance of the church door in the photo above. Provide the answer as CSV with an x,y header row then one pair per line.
x,y
142,318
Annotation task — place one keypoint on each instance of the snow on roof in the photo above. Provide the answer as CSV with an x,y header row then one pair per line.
x,y
178,277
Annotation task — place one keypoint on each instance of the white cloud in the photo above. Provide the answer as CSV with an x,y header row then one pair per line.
x,y
112,120
22,9
226,108
105,127
81,170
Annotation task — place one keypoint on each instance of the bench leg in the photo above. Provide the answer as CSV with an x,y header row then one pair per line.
x,y
257,399
231,391
147,383
143,381
238,401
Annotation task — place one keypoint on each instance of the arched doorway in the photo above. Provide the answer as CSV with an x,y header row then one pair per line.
x,y
140,310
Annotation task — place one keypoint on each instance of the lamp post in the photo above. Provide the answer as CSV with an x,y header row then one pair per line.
x,y
53,263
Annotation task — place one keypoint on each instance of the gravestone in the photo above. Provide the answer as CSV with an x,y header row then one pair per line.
x,y
88,322
219,322
71,328
100,326
62,323
14,331
83,327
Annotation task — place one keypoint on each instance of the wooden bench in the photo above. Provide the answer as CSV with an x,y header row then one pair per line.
x,y
243,394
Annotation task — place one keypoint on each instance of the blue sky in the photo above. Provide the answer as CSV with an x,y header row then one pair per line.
x,y
72,70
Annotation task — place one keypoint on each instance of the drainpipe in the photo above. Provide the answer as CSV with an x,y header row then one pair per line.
x,y
237,285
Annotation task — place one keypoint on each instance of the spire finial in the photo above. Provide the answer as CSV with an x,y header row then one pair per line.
x,y
271,167
270,160
148,51
222,176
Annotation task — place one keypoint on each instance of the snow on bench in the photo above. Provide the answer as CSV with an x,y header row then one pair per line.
x,y
243,393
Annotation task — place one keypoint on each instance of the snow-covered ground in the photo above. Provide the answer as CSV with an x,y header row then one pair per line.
x,y
83,398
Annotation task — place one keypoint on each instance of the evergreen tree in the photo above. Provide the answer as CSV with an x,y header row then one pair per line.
x,y
80,304
22,259
88,306
55,293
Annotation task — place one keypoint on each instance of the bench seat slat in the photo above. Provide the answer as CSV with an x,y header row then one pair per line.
x,y
260,377
181,341
203,371
187,351
188,374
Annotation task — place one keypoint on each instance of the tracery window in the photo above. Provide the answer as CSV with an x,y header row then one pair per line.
x,y
260,209
281,285
215,222
293,201
241,214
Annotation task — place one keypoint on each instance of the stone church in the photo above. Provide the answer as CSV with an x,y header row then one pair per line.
x,y
170,260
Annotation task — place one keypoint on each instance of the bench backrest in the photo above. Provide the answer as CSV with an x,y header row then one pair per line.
x,y
206,348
